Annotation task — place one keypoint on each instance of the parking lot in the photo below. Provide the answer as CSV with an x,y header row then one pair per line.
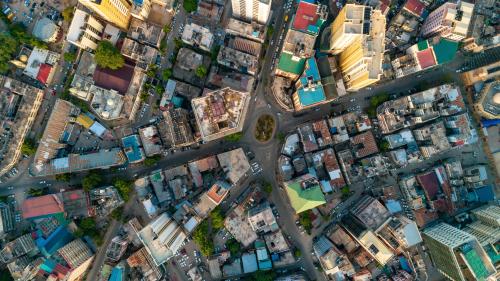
x,y
29,11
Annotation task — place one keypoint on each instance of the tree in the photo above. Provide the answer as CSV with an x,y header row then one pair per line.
x,y
204,239
68,14
63,177
117,213
167,29
166,74
35,192
384,145
201,71
69,57
217,219
124,187
190,5
234,137
263,276
233,246
345,191
297,253
215,53
267,187
7,50
108,56
270,31
305,220
28,147
280,136
151,161
91,180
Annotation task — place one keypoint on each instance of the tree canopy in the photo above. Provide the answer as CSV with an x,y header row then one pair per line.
x,y
108,56
92,180
204,239
190,5
7,50
69,57
217,219
68,14
124,187
28,147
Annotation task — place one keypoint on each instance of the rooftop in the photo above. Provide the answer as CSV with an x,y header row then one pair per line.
x,y
235,164
309,17
118,80
370,212
106,103
142,54
364,144
151,140
131,146
290,63
198,36
253,31
42,206
145,32
220,113
415,7
310,90
162,238
299,44
237,60
304,193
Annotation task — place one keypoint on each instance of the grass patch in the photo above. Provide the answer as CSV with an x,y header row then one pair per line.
x,y
264,128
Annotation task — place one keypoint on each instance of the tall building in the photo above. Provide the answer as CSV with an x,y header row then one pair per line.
x,y
358,35
85,31
457,254
450,20
252,10
78,257
488,104
116,12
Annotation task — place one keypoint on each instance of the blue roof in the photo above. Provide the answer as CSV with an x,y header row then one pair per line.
x,y
249,262
48,265
132,150
177,101
116,274
404,264
393,206
485,193
310,90
55,241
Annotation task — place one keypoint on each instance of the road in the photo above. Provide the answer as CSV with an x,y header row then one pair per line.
x,y
100,256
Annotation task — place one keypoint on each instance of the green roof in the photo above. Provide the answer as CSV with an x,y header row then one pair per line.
x,y
445,50
422,45
304,199
287,64
476,263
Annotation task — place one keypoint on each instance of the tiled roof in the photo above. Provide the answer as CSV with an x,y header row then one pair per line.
x,y
426,58
415,7
43,73
41,206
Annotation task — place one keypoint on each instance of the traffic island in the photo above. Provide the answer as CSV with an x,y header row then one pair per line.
x,y
264,128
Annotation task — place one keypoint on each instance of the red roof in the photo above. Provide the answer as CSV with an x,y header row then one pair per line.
x,y
118,80
430,184
43,73
426,58
306,15
41,206
415,7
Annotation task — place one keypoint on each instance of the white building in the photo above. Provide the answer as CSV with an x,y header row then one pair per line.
x,y
252,10
449,20
85,31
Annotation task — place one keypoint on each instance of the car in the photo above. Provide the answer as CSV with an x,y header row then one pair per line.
x,y
10,187
42,182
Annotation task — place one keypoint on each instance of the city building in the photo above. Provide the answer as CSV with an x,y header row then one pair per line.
x,y
450,20
237,60
253,31
40,64
76,203
151,140
457,254
363,144
186,64
19,104
488,103
104,200
480,74
6,219
245,45
142,54
252,10
220,113
77,257
116,12
162,238
358,35
309,91
304,193
334,263
85,31
198,36
107,104
178,129
46,30
211,198
146,33
399,233
151,10
116,248
420,108
223,78
235,165
309,17
133,150
370,212
43,206
262,219
22,245
145,263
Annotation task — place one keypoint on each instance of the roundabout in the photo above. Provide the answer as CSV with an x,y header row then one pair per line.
x,y
264,128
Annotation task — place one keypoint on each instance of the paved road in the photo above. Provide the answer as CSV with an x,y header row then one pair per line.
x,y
95,271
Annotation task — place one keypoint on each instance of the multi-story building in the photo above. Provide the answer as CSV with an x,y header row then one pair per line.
x,y
143,260
358,35
78,257
252,10
457,254
141,9
6,219
116,248
85,31
450,20
488,104
116,12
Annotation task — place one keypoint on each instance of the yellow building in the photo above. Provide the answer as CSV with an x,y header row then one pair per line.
x,y
348,26
116,12
361,54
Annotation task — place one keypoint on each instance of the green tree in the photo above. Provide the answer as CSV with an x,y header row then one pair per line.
x,y
124,187
108,56
178,43
7,50
204,239
63,177
267,187
384,145
28,147
214,53
201,71
263,276
270,31
234,137
345,191
68,14
35,192
151,161
217,219
305,220
297,253
167,28
190,5
233,246
92,180
280,136
117,213
166,74
69,57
